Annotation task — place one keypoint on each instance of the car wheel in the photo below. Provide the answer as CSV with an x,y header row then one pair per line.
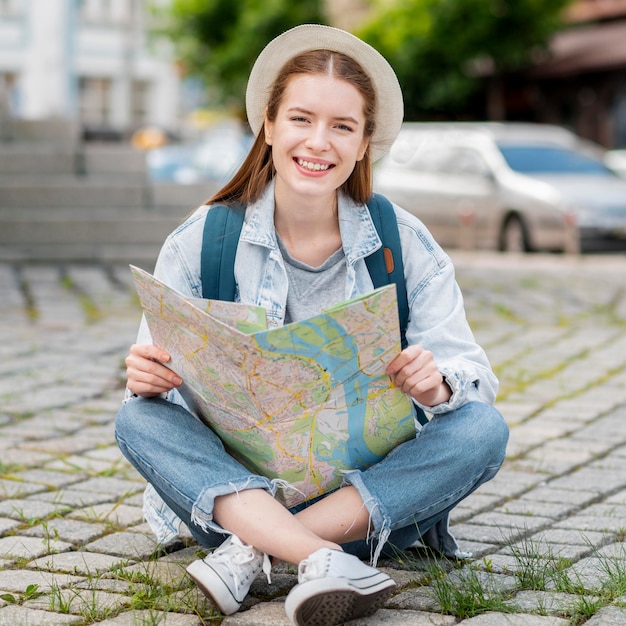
x,y
514,237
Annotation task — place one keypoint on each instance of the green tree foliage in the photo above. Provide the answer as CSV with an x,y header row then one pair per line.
x,y
219,40
442,50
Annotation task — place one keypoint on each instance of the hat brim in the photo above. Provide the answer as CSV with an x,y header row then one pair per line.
x,y
389,104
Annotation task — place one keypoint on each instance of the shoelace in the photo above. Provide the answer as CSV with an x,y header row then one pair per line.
x,y
241,553
310,569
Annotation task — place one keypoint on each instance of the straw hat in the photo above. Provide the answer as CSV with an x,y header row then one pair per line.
x,y
389,104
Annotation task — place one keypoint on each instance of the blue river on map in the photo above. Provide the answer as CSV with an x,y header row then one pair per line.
x,y
344,369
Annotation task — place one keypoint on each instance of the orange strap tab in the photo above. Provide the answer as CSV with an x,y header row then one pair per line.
x,y
388,260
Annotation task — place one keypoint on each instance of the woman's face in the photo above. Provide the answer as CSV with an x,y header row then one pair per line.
x,y
317,136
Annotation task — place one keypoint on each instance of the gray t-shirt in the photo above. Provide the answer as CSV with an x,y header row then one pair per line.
x,y
312,289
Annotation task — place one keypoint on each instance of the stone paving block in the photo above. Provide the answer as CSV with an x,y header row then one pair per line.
x,y
550,493
141,528
111,454
607,428
617,498
493,583
90,604
112,514
70,530
136,546
24,430
384,617
20,547
531,508
117,487
7,525
133,618
134,500
591,522
510,523
551,602
588,538
23,616
500,563
609,510
160,571
509,483
486,534
110,583
613,551
516,412
21,458
75,498
596,480
27,510
476,549
17,580
537,430
472,505
16,488
47,397
554,461
613,461
518,619
545,550
81,463
48,478
61,445
420,599
543,464
592,573
608,616
78,562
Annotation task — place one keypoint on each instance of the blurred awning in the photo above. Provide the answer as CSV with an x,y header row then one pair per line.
x,y
599,47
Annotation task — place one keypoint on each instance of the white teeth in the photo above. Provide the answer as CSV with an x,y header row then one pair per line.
x,y
315,167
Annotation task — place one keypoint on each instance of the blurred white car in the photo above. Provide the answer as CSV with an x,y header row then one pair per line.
x,y
507,186
616,160
215,156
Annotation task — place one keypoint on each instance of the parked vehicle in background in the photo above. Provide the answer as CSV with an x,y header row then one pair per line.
x,y
214,157
506,186
616,160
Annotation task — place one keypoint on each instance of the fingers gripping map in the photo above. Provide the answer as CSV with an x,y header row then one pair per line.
x,y
302,403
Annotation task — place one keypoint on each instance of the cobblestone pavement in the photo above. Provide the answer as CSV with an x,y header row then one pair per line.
x,y
547,533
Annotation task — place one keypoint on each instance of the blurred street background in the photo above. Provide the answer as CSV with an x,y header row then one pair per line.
x,y
118,117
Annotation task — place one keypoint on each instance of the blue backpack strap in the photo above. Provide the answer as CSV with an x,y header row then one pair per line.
x,y
385,265
222,227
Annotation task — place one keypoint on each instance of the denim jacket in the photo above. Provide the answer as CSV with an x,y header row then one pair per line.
x,y
437,318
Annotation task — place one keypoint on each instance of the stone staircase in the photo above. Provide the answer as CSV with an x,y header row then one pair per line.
x,y
63,200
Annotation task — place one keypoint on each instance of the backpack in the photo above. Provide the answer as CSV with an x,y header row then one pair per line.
x,y
221,235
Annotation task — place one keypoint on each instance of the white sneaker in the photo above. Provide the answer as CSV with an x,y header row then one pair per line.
x,y
335,587
226,574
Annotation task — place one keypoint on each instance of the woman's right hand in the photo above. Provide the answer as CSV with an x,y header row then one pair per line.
x,y
146,375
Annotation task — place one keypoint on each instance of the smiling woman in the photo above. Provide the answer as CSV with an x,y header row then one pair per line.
x,y
323,106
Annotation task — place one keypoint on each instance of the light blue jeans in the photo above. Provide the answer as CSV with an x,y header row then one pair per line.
x,y
406,493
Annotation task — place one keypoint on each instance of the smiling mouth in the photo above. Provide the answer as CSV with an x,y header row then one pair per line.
x,y
313,167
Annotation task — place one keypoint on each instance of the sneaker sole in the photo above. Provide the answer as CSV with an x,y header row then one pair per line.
x,y
324,602
221,595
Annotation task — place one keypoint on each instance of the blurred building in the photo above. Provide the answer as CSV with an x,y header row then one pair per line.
x,y
91,60
581,83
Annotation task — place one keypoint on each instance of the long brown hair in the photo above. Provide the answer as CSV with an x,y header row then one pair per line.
x,y
257,170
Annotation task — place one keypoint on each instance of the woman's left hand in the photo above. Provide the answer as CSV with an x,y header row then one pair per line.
x,y
414,370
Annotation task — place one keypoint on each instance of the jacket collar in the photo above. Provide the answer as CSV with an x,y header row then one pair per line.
x,y
358,233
